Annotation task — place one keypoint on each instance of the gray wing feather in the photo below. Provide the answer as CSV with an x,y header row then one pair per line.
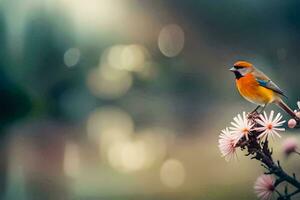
x,y
266,82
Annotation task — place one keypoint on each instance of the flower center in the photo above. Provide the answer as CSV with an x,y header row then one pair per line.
x,y
271,188
245,130
270,126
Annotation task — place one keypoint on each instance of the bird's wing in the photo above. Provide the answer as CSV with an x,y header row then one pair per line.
x,y
266,82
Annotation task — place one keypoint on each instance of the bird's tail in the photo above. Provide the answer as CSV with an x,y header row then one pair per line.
x,y
287,109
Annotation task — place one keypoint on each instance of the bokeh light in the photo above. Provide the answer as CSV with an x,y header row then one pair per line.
x,y
138,152
114,55
126,57
127,156
109,83
72,57
171,40
107,125
133,57
133,155
172,173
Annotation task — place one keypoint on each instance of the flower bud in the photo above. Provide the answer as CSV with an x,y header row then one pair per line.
x,y
292,123
289,146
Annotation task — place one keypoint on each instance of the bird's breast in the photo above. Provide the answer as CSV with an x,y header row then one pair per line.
x,y
250,89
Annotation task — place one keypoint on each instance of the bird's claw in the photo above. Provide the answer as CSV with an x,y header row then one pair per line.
x,y
253,115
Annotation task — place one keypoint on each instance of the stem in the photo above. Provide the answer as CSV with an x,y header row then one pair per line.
x,y
293,193
278,193
297,152
277,170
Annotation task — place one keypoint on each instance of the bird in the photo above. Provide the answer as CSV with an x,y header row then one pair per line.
x,y
258,88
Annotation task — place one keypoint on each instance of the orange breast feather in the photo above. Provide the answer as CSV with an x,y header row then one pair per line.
x,y
250,89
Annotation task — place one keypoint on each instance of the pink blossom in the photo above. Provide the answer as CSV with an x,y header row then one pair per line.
x,y
227,144
264,187
241,126
269,126
289,146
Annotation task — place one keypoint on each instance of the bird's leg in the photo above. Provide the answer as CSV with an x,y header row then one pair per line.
x,y
255,110
263,108
252,115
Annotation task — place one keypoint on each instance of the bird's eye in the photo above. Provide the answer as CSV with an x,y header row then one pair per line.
x,y
238,67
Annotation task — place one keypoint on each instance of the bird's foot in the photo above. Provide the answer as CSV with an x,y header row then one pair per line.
x,y
253,115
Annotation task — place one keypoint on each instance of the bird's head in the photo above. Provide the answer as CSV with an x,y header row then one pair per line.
x,y
241,68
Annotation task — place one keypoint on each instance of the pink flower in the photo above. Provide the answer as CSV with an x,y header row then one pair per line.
x,y
241,127
227,144
269,126
289,146
292,123
264,187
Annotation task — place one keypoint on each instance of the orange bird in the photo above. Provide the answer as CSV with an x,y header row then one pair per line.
x,y
257,88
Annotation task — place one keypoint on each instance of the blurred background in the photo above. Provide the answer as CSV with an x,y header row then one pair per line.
x,y
125,99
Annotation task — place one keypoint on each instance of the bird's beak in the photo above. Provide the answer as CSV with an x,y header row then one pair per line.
x,y
232,69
